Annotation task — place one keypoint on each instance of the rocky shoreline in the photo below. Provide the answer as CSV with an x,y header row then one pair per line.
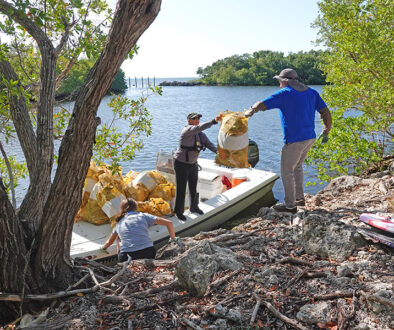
x,y
312,270
181,83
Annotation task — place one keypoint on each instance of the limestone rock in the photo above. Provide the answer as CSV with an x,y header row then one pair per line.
x,y
314,313
326,238
196,268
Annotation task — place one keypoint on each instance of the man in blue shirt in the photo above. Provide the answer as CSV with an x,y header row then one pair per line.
x,y
297,104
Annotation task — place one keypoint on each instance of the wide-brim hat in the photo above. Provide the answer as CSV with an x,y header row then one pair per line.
x,y
193,115
291,76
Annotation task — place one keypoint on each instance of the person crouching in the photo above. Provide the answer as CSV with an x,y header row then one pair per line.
x,y
132,229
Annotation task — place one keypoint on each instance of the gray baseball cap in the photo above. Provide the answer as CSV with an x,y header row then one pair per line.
x,y
194,115
287,74
291,76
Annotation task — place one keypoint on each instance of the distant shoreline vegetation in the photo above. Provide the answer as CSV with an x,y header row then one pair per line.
x,y
258,69
70,86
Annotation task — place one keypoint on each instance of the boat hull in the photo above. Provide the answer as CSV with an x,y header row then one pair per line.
x,y
218,208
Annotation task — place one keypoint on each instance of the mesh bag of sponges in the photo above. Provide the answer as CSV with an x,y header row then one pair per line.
x,y
233,140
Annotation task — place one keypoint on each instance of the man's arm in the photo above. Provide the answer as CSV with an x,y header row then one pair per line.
x,y
258,106
208,143
193,129
325,115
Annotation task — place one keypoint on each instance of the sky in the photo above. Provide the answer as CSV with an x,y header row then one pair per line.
x,y
188,34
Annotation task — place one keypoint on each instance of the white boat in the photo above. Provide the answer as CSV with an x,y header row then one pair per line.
x,y
218,207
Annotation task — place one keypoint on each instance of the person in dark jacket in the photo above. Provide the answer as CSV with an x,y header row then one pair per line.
x,y
298,104
192,141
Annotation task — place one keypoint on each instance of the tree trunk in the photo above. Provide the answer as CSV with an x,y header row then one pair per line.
x,y
47,265
13,255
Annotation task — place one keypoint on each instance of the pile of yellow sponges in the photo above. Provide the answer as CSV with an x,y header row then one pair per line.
x,y
104,191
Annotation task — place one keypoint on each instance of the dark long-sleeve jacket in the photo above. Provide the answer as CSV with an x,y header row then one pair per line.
x,y
189,135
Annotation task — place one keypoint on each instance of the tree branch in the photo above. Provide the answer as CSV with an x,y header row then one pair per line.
x,y
40,171
42,40
65,36
11,177
20,117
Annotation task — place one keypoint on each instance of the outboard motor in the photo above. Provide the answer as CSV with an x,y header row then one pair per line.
x,y
253,153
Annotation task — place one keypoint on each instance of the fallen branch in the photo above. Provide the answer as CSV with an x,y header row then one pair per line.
x,y
94,264
256,309
61,294
306,274
296,278
124,290
378,299
249,244
282,317
148,292
117,275
230,299
62,323
294,261
345,316
315,274
152,263
214,233
115,300
221,316
96,282
335,295
233,243
44,297
151,306
83,279
219,282
191,324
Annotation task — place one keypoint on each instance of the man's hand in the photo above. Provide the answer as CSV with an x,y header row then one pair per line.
x,y
323,137
249,113
258,106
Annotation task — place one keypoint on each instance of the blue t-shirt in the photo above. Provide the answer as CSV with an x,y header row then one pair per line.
x,y
132,230
297,112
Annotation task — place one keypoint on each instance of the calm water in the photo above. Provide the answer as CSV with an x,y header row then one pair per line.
x,y
169,113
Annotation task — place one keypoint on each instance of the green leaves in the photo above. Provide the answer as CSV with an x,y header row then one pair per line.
x,y
359,67
354,145
119,139
19,171
259,68
85,23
